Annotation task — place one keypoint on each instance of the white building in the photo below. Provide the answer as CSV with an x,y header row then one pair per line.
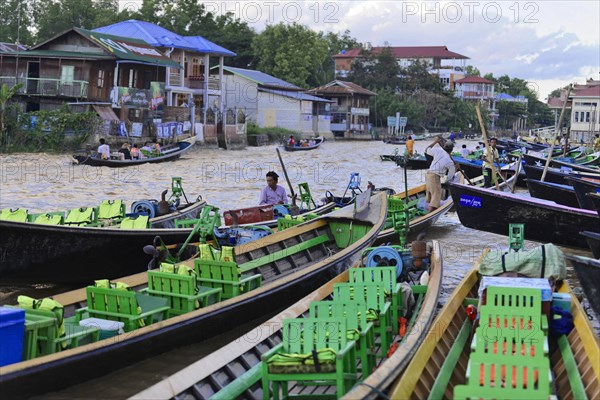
x,y
271,102
585,113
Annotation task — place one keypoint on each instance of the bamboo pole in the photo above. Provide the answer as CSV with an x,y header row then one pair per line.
x,y
558,130
488,154
517,171
287,179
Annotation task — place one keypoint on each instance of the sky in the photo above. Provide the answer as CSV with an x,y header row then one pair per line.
x,y
547,43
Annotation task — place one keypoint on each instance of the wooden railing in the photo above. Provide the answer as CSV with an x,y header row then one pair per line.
x,y
48,86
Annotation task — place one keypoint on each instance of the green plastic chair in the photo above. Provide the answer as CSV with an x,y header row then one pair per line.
x,y
386,276
139,222
510,306
306,340
357,324
227,276
133,309
18,215
181,291
373,296
80,216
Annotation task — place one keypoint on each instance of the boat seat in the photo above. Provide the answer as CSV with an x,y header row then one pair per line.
x,y
56,218
373,295
137,222
321,354
227,276
386,276
80,216
133,309
43,337
181,291
111,210
18,215
359,328
505,306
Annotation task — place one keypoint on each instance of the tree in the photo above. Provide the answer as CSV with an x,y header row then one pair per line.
x,y
5,95
376,71
417,77
15,19
472,71
290,52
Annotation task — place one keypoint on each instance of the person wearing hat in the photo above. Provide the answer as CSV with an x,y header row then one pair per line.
x,y
272,193
441,165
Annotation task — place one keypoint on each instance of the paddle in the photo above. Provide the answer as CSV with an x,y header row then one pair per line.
x,y
288,180
488,154
558,130
463,172
518,169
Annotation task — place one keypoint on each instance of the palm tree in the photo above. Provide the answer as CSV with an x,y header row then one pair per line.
x,y
5,95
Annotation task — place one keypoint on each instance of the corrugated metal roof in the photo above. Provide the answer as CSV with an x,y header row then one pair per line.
x,y
295,95
260,77
474,79
78,55
7,47
161,37
408,52
341,87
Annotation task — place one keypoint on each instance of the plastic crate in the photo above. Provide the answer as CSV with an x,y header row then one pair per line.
x,y
12,329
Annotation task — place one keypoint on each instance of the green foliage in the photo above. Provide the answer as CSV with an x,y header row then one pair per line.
x,y
15,18
53,131
376,71
289,52
275,134
472,71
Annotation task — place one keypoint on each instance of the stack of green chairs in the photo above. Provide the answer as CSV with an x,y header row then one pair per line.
x,y
359,329
509,353
313,352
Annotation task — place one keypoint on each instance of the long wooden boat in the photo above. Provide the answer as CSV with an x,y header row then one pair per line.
x,y
168,154
560,194
418,161
268,214
593,240
421,222
555,175
492,211
535,160
595,197
588,274
440,363
583,186
318,141
72,253
394,140
234,370
292,263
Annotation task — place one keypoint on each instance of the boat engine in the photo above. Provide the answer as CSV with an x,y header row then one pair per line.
x,y
149,207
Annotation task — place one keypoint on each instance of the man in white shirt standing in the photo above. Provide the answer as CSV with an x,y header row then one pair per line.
x,y
441,165
104,150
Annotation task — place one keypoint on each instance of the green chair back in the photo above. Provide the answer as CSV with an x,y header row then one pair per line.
x,y
18,215
111,209
80,216
139,222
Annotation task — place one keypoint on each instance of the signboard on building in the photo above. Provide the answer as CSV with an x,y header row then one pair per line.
x,y
142,98
359,111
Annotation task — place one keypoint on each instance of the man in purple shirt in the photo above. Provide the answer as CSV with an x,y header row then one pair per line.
x,y
273,193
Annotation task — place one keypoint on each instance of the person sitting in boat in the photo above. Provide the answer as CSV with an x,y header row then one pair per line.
x,y
104,150
272,193
147,148
410,145
135,152
491,153
291,141
464,151
312,142
126,153
156,147
441,165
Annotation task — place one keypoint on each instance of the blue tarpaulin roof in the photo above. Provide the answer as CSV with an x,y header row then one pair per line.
x,y
158,36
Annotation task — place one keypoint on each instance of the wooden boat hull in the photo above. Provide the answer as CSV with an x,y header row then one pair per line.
x,y
555,175
265,215
560,194
70,253
419,224
427,363
184,147
415,163
492,211
582,187
593,240
534,160
293,282
588,274
318,141
197,381
595,197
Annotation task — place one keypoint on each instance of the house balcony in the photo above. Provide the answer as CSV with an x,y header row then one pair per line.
x,y
47,86
194,82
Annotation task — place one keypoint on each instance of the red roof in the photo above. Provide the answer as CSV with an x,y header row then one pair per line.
x,y
593,91
555,102
409,52
474,79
